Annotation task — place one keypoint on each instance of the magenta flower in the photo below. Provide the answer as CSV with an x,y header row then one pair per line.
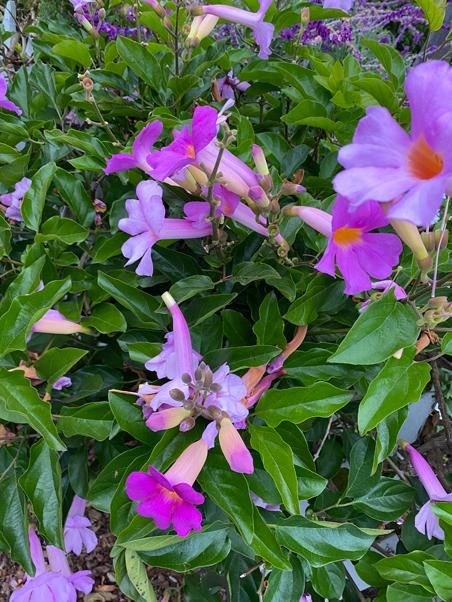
x,y
57,585
263,32
63,381
384,286
198,211
53,322
13,200
170,497
76,530
165,363
4,102
384,163
306,598
344,5
229,83
233,448
426,522
147,224
80,4
141,149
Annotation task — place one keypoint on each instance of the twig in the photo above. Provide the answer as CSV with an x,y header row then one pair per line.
x,y
260,591
441,403
358,591
381,550
253,568
438,283
322,443
415,309
397,470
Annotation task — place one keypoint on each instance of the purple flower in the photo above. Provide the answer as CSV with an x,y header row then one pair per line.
x,y
170,497
13,200
345,5
198,211
76,529
4,102
57,585
306,598
141,148
165,363
263,32
229,83
426,522
79,4
53,322
147,224
63,381
257,501
384,163
385,285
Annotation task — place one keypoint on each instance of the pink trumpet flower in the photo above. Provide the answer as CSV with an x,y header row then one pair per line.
x,y
13,200
357,252
147,224
233,448
76,530
263,32
261,387
229,83
167,419
426,521
165,362
57,585
4,102
384,163
292,346
203,29
53,322
170,497
141,149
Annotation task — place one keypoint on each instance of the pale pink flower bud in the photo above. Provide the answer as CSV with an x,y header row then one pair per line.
x,y
233,448
258,195
292,188
167,419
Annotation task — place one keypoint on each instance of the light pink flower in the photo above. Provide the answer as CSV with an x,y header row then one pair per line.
x,y
13,200
229,83
4,102
76,530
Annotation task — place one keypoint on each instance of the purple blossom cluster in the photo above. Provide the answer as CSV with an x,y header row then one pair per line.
x,y
114,31
338,33
228,31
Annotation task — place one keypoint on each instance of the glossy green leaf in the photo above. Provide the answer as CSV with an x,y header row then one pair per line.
x,y
390,59
189,287
56,363
399,592
63,229
329,580
35,197
74,50
406,568
286,586
140,60
130,417
241,357
388,500
440,574
204,307
269,330
13,523
106,318
265,544
360,477
435,16
323,294
72,191
91,420
138,576
248,272
388,432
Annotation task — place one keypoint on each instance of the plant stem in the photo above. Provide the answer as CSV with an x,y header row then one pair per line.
x,y
358,591
137,22
104,124
438,283
260,591
325,437
441,403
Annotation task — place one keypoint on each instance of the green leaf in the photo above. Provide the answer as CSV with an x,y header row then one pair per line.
x,y
399,592
264,544
229,490
13,523
13,172
72,191
204,307
286,586
176,266
140,303
140,61
399,383
435,17
5,237
360,477
106,318
324,294
63,229
312,113
42,76
105,248
321,542
181,85
390,59
446,343
27,282
19,396
25,310
248,271
241,357
74,50
78,472
57,362
385,327
300,403
35,197
388,500
278,461
91,420
237,328
367,571
379,90
130,417
440,574
406,568
42,485
189,287
269,330
138,576
388,432
329,580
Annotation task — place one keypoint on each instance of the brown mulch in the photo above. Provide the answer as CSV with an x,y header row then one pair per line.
x,y
98,562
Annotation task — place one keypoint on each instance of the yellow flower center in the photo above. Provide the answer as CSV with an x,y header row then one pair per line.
x,y
423,162
191,151
346,237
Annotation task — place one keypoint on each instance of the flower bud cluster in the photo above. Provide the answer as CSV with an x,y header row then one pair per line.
x,y
435,311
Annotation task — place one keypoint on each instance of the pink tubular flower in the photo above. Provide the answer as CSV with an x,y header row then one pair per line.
x,y
165,362
233,448
203,29
198,211
261,387
4,102
147,224
357,252
384,163
76,529
229,83
344,5
167,419
384,285
63,381
141,148
170,497
426,521
53,322
263,32
80,4
292,346
13,200
57,585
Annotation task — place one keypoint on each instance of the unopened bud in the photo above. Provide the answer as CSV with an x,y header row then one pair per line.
x,y
305,16
87,84
177,395
185,30
259,160
437,302
441,239
215,388
97,220
208,378
292,188
198,374
273,230
195,10
290,211
186,378
187,424
214,412
188,405
257,194
102,14
158,8
275,209
428,238
167,23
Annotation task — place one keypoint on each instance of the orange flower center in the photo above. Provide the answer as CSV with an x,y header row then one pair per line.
x,y
346,237
423,162
191,151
